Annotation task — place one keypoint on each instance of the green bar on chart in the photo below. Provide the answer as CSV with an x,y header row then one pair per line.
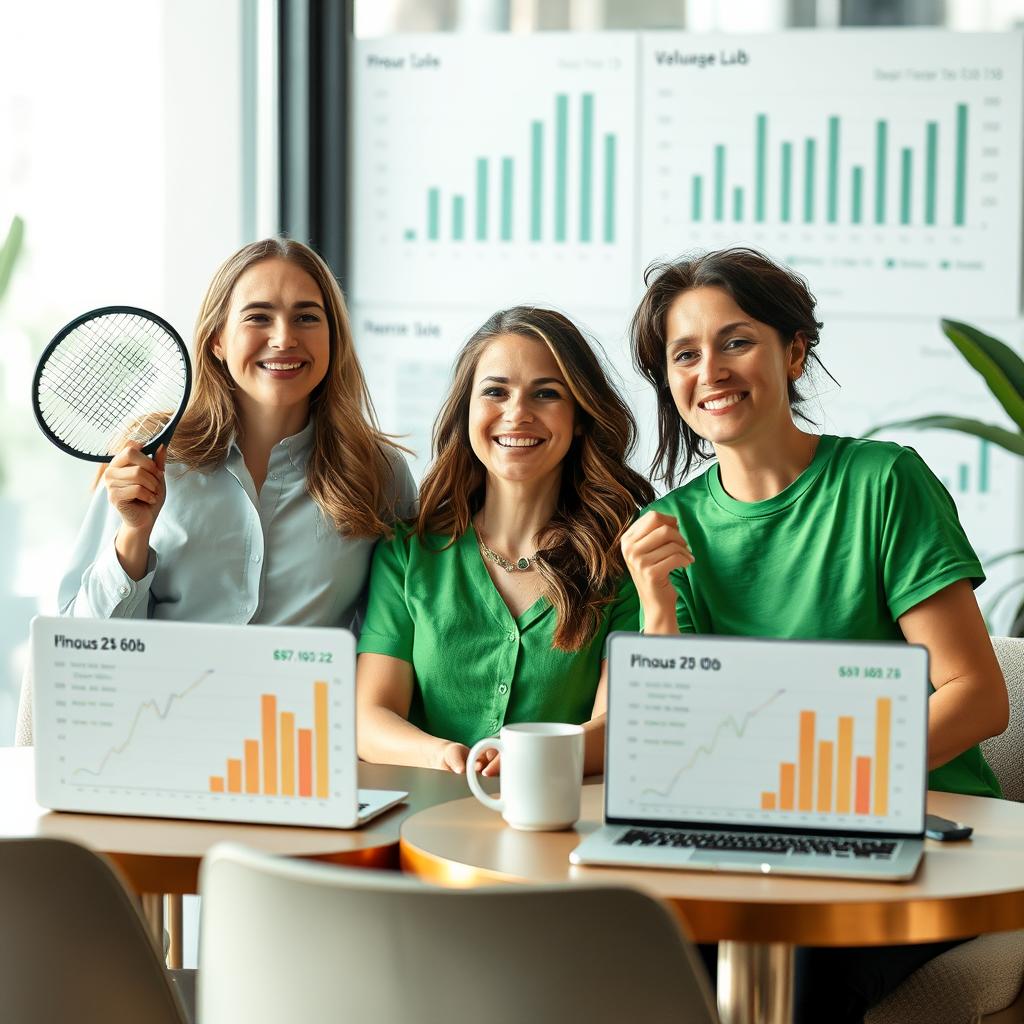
x,y
881,154
965,479
586,165
983,466
760,167
458,218
960,190
737,203
906,170
810,156
697,205
786,194
609,188
931,161
536,178
506,198
481,199
857,195
561,163
719,182
833,170
433,214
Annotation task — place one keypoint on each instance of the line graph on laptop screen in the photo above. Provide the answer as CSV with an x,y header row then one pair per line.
x,y
768,733
195,721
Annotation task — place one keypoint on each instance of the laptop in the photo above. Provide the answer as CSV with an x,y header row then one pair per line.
x,y
764,756
187,720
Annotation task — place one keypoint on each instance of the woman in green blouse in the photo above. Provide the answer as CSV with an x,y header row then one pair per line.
x,y
493,606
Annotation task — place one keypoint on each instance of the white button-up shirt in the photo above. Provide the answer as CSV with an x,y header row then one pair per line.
x,y
221,552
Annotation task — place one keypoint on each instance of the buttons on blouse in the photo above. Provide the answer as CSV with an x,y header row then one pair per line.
x,y
256,558
124,590
512,637
503,689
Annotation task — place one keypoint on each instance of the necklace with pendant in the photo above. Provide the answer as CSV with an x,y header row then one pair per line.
x,y
521,564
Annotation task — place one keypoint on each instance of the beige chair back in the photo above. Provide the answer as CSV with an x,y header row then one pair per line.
x,y
1005,752
285,940
73,946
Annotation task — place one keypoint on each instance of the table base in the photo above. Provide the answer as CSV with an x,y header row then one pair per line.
x,y
755,982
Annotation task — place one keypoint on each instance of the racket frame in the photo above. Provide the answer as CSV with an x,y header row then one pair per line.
x,y
165,435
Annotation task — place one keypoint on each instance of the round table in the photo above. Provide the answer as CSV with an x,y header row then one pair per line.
x,y
962,889
160,856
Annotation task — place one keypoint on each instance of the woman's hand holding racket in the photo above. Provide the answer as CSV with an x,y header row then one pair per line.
x,y
135,487
111,387
652,548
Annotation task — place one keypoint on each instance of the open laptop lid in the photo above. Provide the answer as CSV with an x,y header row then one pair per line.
x,y
756,734
181,720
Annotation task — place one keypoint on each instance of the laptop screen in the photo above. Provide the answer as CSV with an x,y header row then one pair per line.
x,y
188,720
740,732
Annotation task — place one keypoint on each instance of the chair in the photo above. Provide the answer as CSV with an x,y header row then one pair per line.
x,y
73,946
284,940
982,980
23,726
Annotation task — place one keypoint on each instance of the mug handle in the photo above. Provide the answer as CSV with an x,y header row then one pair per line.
x,y
495,803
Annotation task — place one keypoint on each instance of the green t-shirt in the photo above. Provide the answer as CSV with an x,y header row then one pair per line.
x,y
865,533
476,666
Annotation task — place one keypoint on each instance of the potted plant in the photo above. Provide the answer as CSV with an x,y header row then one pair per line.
x,y
1003,372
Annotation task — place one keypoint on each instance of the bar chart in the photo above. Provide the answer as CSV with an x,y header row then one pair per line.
x,y
596,213
767,733
826,777
883,182
286,761
524,191
197,721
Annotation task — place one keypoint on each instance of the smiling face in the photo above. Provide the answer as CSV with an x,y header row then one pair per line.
x,y
276,339
728,373
521,413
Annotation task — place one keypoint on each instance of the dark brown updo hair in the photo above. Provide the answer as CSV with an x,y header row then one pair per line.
x,y
761,288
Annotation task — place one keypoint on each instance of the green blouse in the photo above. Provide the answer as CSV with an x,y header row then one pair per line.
x,y
476,667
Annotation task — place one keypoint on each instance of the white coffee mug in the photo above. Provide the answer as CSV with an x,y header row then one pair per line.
x,y
541,774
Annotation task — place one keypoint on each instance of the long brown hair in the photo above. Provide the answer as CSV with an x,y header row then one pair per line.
x,y
579,557
761,288
349,474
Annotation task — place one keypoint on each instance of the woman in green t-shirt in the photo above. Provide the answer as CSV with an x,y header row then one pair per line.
x,y
493,606
798,535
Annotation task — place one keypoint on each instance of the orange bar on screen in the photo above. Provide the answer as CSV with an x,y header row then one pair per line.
x,y
252,766
805,762
268,707
883,731
767,801
844,764
321,738
787,783
862,800
305,762
287,753
234,775
216,783
825,776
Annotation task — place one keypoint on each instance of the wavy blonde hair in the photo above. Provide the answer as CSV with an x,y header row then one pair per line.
x,y
579,557
349,474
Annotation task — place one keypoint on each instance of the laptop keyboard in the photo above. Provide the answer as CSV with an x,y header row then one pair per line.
x,y
756,842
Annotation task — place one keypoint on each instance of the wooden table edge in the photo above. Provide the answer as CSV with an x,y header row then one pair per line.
x,y
821,923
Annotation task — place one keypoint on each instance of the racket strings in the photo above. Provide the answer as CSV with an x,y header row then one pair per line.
x,y
115,378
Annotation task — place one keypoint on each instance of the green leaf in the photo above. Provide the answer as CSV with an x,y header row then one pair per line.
x,y
998,364
997,435
9,252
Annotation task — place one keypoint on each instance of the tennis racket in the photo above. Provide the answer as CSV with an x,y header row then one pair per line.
x,y
111,376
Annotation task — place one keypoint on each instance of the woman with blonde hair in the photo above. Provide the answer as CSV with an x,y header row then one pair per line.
x,y
277,484
493,606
